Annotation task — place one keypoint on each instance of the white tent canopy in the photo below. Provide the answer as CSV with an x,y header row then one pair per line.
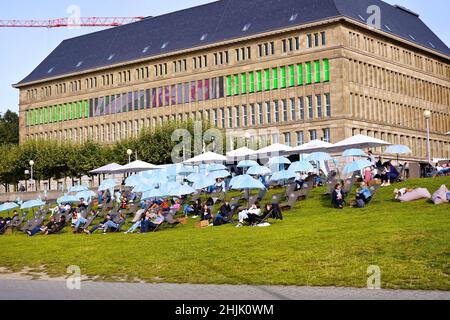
x,y
359,142
240,153
136,166
110,168
312,146
207,158
274,149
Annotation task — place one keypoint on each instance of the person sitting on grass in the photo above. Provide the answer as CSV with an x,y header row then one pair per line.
x,y
337,198
57,227
251,215
320,180
223,216
364,194
206,214
187,210
148,225
44,228
197,207
104,225
77,221
83,204
2,225
176,206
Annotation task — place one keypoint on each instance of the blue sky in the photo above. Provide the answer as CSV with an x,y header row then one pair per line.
x,y
23,49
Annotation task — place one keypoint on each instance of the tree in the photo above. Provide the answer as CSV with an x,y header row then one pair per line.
x,y
9,128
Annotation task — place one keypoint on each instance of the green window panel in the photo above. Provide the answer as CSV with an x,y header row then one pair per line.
x,y
244,83
291,76
308,73
75,110
35,116
42,116
45,115
252,82
267,79
65,112
283,78
60,113
71,113
27,116
275,78
317,71
326,70
300,74
259,81
236,84
86,108
55,113
30,114
80,110
229,86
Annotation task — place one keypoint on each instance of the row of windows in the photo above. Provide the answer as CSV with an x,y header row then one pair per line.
x,y
182,93
385,79
198,62
278,78
403,56
418,145
396,114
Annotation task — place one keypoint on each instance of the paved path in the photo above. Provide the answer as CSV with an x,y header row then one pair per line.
x,y
57,290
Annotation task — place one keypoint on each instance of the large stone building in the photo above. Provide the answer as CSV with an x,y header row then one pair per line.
x,y
312,69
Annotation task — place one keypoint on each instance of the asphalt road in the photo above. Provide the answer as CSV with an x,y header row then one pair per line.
x,y
57,290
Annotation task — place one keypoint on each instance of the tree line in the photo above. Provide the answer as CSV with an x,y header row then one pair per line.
x,y
54,160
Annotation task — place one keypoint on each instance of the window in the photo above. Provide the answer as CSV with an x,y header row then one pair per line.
x,y
244,83
130,100
200,90
300,74
326,70
319,105
316,39
326,135
285,111
267,78
287,139
230,117
293,110
275,78
253,114
310,107
291,76
238,116
276,111
317,71
301,107
236,84
268,113
324,39
308,73
310,41
260,113
245,115
259,80
229,86
283,78
222,113
300,138
328,105
313,135
252,82
193,91
142,99
206,89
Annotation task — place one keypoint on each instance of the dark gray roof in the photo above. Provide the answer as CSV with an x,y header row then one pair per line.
x,y
219,21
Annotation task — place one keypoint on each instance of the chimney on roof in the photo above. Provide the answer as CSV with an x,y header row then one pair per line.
x,y
407,10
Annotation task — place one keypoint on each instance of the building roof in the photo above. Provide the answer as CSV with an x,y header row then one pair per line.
x,y
215,22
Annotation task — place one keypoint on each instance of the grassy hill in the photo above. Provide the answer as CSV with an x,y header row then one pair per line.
x,y
315,245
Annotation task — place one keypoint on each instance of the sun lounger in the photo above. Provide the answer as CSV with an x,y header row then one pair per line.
x,y
292,200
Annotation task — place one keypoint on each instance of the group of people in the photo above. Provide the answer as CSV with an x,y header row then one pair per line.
x,y
363,196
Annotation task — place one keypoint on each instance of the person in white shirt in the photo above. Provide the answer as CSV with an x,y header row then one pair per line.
x,y
249,215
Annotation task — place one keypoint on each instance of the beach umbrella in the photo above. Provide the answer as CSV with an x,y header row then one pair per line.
x,y
219,174
32,204
184,171
8,206
359,141
156,177
167,188
67,199
136,166
240,153
247,164
354,153
108,184
283,175
140,188
78,188
318,156
206,158
154,194
106,169
247,182
274,149
134,180
87,195
204,182
194,177
301,166
279,161
312,146
183,190
259,171
398,149
216,167
356,166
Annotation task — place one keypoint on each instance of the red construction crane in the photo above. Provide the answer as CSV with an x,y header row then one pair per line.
x,y
70,22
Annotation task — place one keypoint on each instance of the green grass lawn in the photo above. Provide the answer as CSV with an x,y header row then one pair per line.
x,y
315,245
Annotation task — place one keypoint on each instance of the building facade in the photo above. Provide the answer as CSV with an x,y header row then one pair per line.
x,y
327,79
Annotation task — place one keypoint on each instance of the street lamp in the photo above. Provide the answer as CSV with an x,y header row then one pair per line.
x,y
129,153
427,114
32,181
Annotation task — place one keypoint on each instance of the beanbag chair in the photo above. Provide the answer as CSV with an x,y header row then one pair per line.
x,y
440,196
416,194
